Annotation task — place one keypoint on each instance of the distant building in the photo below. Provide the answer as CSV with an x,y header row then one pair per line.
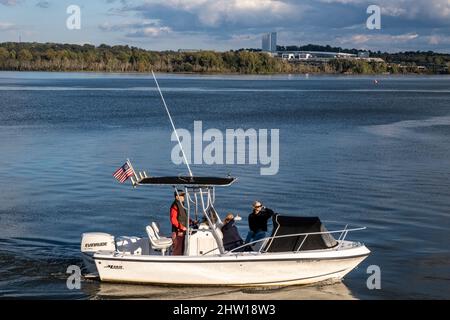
x,y
273,42
314,55
288,56
269,42
304,56
363,54
188,50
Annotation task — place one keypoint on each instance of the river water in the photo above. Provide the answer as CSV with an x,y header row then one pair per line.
x,y
350,151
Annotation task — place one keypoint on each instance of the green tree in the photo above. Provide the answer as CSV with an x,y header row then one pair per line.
x,y
4,54
25,55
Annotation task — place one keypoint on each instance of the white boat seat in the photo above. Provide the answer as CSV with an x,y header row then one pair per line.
x,y
158,244
155,227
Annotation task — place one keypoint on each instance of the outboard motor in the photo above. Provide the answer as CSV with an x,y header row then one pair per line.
x,y
92,242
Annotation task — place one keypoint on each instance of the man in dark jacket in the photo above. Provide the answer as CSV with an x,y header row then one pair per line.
x,y
231,238
257,222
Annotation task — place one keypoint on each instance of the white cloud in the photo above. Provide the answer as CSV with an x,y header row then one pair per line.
x,y
133,29
438,39
213,13
129,24
378,38
434,40
137,28
9,2
245,37
239,23
152,31
43,4
358,38
404,37
403,8
344,1
6,26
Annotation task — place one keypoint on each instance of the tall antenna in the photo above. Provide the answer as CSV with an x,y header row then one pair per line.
x,y
173,126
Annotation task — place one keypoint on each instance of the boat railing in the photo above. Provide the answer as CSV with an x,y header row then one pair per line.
x,y
342,235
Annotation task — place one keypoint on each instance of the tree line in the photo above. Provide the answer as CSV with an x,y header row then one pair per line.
x,y
104,58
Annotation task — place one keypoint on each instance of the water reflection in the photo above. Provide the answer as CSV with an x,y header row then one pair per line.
x,y
324,291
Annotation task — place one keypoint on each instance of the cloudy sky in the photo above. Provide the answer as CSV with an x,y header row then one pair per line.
x,y
231,24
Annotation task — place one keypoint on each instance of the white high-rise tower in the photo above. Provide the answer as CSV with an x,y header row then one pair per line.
x,y
269,42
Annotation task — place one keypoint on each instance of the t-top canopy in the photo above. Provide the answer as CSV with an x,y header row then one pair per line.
x,y
191,181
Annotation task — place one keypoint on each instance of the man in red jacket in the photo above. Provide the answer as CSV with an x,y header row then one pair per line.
x,y
179,221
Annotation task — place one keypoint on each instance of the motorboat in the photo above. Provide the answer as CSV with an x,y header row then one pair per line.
x,y
300,250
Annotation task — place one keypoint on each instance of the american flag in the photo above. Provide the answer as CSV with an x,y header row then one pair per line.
x,y
123,173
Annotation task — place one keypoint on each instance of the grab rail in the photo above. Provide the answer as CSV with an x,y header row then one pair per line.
x,y
343,235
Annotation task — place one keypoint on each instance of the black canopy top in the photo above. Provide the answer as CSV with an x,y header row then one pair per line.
x,y
186,180
285,225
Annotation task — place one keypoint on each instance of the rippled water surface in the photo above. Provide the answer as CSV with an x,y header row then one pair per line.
x,y
350,152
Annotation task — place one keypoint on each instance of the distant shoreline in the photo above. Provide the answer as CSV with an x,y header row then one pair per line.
x,y
411,74
53,57
229,73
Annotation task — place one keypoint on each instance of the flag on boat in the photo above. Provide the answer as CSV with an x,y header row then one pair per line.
x,y
123,173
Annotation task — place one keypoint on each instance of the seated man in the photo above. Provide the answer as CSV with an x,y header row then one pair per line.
x,y
231,237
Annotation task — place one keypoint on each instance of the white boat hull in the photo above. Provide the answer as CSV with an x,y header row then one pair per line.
x,y
248,269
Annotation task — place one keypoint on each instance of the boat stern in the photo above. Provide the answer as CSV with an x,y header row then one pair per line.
x,y
93,242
